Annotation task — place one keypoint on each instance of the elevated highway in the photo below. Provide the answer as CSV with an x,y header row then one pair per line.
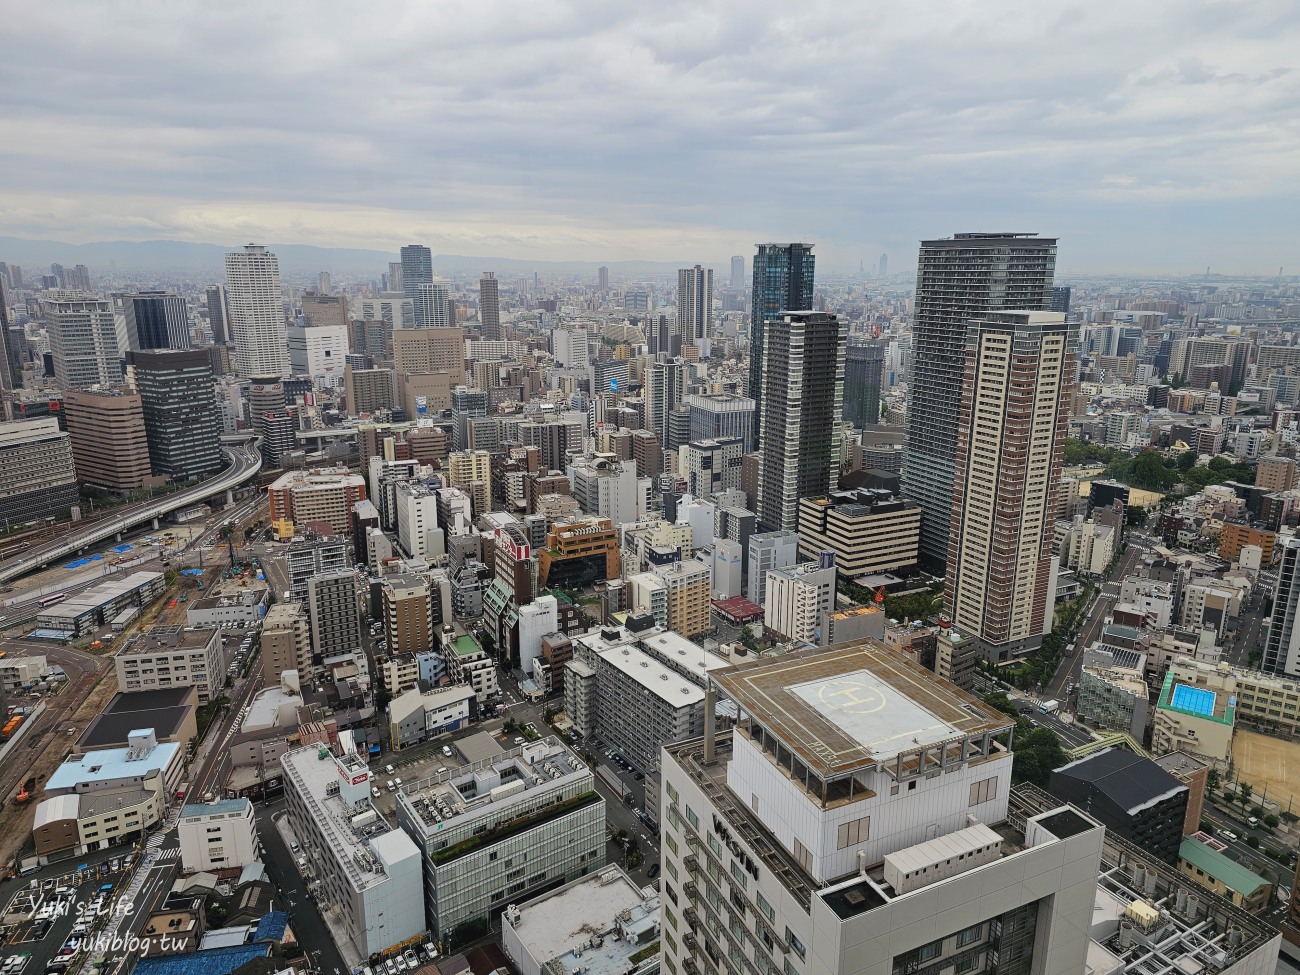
x,y
244,463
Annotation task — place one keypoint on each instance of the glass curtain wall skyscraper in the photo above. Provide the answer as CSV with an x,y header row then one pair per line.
x,y
157,320
783,281
417,281
957,280
864,365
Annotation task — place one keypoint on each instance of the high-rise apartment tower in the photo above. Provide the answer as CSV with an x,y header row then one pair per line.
x,y
1011,428
489,306
957,280
257,322
694,303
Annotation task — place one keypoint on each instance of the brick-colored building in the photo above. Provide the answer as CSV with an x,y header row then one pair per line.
x,y
109,444
1237,534
326,494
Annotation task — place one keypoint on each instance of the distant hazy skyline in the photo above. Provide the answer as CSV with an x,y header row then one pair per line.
x,y
1152,136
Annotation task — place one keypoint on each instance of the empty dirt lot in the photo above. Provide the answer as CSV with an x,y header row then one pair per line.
x,y
1269,762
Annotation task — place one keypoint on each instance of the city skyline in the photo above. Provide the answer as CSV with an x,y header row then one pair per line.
x,y
914,124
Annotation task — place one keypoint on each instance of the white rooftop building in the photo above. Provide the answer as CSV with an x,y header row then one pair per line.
x,y
496,829
601,924
358,866
856,820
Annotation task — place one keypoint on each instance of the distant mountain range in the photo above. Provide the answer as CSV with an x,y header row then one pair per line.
x,y
35,257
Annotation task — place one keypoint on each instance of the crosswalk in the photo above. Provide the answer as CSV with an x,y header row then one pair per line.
x,y
169,854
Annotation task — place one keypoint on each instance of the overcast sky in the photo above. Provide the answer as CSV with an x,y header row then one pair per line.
x,y
1147,135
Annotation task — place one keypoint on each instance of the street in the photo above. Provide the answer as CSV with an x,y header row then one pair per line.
x,y
1103,602
305,920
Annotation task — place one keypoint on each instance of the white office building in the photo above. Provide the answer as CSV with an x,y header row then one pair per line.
x,y
218,835
856,821
494,831
86,342
769,550
318,351
171,656
710,466
728,566
637,689
418,531
257,323
394,310
606,487
358,868
797,599
603,924
536,620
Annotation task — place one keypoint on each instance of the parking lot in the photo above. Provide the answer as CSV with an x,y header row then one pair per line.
x,y
52,922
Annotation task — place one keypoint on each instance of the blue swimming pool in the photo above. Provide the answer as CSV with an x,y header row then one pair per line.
x,y
1196,700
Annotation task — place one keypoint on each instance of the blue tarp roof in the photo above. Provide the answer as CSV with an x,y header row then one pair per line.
x,y
272,926
214,961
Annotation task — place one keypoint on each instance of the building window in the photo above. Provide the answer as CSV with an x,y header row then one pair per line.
x,y
931,951
967,963
983,790
715,844
691,818
793,941
855,832
672,843
764,907
969,936
672,791
738,875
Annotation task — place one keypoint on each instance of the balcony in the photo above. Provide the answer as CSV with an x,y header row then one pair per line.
x,y
692,889
692,863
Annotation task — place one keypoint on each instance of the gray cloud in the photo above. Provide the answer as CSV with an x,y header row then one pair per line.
x,y
1152,135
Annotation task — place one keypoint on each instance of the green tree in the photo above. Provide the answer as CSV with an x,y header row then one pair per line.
x,y
1187,460
1079,452
1036,755
1150,472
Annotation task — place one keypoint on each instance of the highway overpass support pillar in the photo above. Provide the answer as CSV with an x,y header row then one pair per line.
x,y
155,524
230,497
